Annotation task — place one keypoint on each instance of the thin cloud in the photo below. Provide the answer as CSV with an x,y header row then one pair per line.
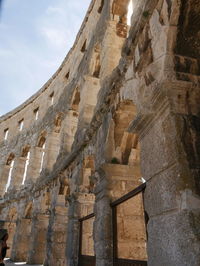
x,y
56,37
34,45
55,10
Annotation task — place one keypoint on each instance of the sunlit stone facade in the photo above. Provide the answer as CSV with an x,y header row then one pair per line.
x,y
123,108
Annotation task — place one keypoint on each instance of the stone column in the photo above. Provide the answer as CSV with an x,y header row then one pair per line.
x,y
35,163
37,246
88,99
112,44
21,240
80,205
103,222
72,247
51,150
18,172
57,234
112,182
11,227
172,198
4,178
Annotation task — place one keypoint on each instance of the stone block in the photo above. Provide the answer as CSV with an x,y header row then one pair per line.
x,y
174,239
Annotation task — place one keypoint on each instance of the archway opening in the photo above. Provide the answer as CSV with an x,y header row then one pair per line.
x,y
22,236
42,146
10,165
10,225
124,173
122,12
26,156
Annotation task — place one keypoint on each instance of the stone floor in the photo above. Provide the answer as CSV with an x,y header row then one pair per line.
x,y
10,263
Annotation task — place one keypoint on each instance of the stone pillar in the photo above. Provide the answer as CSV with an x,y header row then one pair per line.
x,y
57,234
112,44
69,129
4,178
18,172
103,222
11,227
88,99
52,149
33,171
37,246
112,182
80,205
21,240
172,198
72,247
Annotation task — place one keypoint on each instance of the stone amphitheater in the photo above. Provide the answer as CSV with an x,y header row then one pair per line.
x,y
102,165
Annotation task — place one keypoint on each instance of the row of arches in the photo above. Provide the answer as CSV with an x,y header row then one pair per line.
x,y
22,121
19,166
54,220
118,9
27,166
35,236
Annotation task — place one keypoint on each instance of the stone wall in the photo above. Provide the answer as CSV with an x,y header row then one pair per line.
x,y
122,108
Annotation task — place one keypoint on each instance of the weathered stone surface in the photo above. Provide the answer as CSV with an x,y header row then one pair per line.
x,y
174,251
122,109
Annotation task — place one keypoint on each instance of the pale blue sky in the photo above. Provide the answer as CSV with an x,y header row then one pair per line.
x,y
35,36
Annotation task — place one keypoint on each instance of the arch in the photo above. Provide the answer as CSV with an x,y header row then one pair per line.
x,y
6,132
25,151
76,100
96,64
10,225
28,211
22,235
21,166
11,157
124,114
42,145
58,122
64,188
42,140
120,7
101,6
83,48
122,146
122,169
51,98
9,170
120,13
67,75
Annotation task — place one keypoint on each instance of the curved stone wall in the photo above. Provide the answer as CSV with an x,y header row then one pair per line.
x,y
49,112
122,109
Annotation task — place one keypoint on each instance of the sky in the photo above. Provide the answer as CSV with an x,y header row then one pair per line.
x,y
35,36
